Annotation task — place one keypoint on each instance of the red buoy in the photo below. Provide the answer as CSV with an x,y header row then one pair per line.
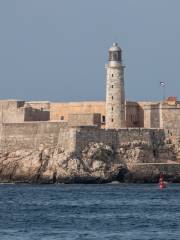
x,y
161,182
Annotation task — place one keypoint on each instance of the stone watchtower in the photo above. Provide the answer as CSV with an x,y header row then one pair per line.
x,y
115,94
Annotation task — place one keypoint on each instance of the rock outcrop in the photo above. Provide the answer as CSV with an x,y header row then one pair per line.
x,y
96,164
136,161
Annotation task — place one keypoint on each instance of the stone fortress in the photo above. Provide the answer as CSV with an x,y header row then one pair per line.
x,y
91,141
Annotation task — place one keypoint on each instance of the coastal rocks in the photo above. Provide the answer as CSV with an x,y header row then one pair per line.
x,y
96,164
98,156
20,165
136,161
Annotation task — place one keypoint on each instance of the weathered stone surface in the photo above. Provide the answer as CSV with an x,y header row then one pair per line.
x,y
97,163
55,165
150,172
51,152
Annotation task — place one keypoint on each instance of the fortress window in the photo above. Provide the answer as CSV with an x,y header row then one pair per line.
x,y
112,120
112,75
112,86
112,97
62,117
112,108
103,119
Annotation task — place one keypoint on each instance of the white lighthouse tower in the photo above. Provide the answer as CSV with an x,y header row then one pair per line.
x,y
115,93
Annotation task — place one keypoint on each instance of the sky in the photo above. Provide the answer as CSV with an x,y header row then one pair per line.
x,y
56,50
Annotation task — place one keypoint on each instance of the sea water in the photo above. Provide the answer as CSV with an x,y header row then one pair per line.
x,y
108,211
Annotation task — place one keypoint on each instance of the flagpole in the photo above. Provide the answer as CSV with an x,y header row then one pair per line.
x,y
163,85
164,92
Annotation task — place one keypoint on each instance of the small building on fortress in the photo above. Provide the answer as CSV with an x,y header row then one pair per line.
x,y
114,113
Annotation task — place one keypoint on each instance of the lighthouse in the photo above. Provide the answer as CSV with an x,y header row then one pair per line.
x,y
115,93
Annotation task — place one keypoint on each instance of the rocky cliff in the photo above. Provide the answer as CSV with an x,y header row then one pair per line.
x,y
136,161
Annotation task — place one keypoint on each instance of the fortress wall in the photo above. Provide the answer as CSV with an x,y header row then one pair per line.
x,y
171,120
149,172
31,114
86,135
147,118
155,116
134,118
87,119
132,114
62,110
11,111
116,138
34,135
151,115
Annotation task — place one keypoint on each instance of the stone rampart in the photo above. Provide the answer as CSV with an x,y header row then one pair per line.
x,y
171,118
35,135
150,172
152,116
118,138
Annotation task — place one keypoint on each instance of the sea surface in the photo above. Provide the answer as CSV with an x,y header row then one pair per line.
x,y
108,211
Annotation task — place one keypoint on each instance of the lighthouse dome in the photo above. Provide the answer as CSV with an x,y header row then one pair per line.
x,y
115,53
115,47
